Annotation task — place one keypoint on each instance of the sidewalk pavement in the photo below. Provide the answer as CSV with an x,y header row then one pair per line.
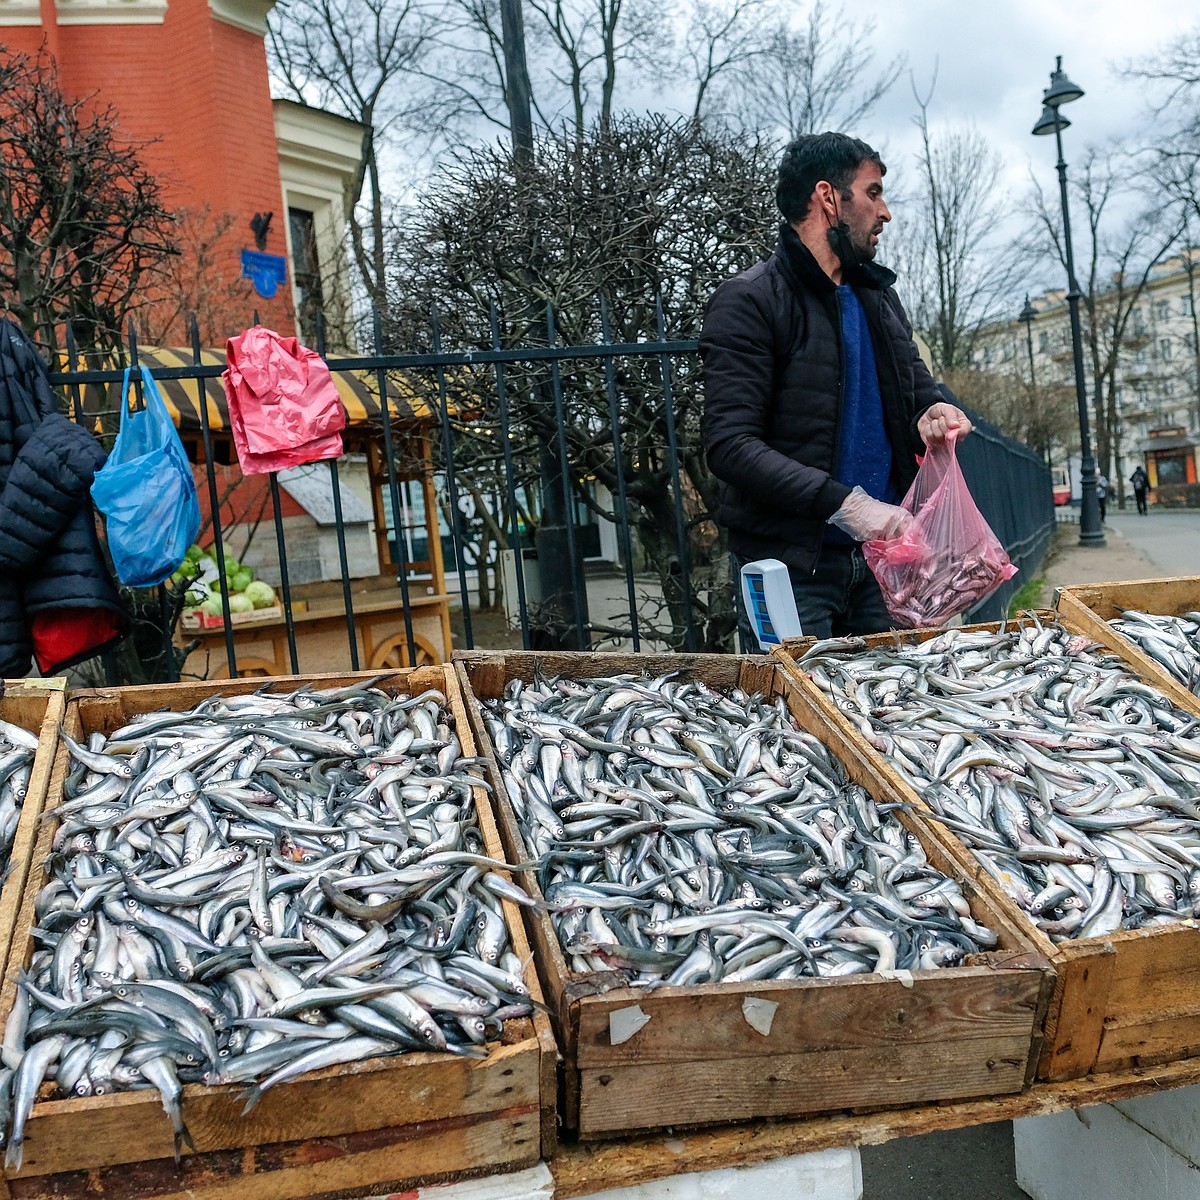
x,y
1156,546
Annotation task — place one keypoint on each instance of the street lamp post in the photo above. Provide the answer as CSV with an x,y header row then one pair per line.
x,y
1063,91
1027,315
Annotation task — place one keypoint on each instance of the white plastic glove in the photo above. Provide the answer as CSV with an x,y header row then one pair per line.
x,y
868,520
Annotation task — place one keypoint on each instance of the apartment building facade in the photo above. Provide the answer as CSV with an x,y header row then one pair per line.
x,y
1157,376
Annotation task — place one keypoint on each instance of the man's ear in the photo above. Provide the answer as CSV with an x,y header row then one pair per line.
x,y
826,196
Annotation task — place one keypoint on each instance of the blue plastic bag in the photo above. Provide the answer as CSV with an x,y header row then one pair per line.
x,y
146,492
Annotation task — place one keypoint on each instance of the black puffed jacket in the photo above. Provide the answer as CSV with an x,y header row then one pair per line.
x,y
50,556
771,346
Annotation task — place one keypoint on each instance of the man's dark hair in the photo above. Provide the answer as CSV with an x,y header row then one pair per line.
x,y
812,157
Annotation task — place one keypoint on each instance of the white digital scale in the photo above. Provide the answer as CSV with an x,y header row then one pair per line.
x,y
770,603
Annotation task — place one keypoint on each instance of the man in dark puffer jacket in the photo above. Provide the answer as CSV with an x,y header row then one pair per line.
x,y
57,600
816,400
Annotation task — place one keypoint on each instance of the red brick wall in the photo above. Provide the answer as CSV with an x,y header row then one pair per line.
x,y
199,87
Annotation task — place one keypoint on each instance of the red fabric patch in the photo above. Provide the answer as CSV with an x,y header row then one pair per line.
x,y
63,634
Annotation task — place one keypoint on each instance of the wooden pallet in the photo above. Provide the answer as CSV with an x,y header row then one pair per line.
x,y
388,1122
1128,999
40,710
861,1041
1090,608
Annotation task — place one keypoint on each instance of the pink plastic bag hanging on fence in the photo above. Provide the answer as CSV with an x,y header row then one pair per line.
x,y
948,558
284,408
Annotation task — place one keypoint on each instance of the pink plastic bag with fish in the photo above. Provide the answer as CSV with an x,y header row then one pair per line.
x,y
948,559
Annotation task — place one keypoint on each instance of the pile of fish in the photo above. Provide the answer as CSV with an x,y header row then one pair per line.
x,y
261,886
685,836
1076,784
1173,642
17,749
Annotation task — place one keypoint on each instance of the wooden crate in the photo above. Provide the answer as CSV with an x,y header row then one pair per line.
x,y
1090,608
38,707
1125,1000
384,1123
862,1041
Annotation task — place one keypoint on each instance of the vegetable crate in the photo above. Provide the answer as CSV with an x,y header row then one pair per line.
x,y
39,709
1090,608
376,1125
1123,1000
852,1042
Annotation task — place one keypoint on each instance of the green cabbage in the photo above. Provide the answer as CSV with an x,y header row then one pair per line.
x,y
240,603
260,594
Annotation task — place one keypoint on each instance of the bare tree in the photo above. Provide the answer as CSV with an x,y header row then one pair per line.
x,y
362,59
1174,73
84,233
1119,253
817,75
583,56
647,209
198,281
957,273
1041,414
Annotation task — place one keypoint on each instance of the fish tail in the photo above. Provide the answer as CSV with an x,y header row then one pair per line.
x,y
183,1138
12,1156
252,1095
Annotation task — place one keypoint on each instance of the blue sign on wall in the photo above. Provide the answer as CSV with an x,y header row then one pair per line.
x,y
265,271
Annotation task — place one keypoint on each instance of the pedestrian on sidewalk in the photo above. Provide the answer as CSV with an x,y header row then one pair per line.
x,y
1102,494
1141,483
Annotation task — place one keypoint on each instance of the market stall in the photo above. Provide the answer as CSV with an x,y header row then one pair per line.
x,y
409,541
719,968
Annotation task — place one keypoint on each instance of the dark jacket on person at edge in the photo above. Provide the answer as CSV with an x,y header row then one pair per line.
x,y
772,351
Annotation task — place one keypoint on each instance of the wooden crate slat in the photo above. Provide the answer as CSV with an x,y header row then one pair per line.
x,y
41,713
389,1159
1089,610
859,1012
616,1099
352,1099
1132,978
66,1139
1002,1003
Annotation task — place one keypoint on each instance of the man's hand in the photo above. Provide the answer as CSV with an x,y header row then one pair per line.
x,y
939,419
869,520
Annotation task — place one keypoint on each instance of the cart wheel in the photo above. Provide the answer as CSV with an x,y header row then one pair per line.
x,y
394,652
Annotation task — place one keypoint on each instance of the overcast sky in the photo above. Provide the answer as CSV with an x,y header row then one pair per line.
x,y
993,60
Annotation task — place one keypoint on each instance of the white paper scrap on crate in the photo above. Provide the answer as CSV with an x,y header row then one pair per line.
x,y
770,602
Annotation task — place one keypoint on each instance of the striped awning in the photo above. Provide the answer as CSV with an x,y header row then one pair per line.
x,y
358,390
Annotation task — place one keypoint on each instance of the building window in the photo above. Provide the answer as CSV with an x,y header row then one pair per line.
x,y
1164,349
1043,340
306,272
1138,322
1139,358
1172,468
1162,309
1185,305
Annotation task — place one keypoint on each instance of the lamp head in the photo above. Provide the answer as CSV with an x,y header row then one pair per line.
x,y
1061,89
1051,121
1028,312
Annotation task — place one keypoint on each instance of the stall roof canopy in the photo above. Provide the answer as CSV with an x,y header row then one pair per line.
x,y
358,391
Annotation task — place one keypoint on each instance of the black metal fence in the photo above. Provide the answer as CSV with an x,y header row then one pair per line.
x,y
1011,486
528,438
